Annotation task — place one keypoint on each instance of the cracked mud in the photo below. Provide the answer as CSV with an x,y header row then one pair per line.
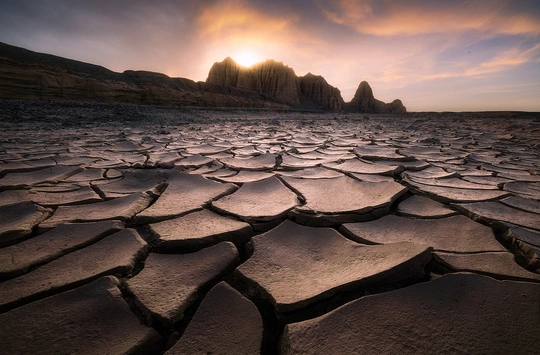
x,y
244,232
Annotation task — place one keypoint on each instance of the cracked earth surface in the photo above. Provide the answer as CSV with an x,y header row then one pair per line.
x,y
141,230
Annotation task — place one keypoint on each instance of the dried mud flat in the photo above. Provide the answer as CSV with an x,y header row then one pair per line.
x,y
150,230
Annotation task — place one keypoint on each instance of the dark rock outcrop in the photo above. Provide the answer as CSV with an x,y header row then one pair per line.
x,y
364,101
270,78
278,82
323,94
27,75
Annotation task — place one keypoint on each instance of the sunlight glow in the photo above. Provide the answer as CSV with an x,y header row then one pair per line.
x,y
246,58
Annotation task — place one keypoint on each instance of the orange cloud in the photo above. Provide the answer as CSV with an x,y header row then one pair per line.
x,y
235,17
235,27
504,61
406,20
350,12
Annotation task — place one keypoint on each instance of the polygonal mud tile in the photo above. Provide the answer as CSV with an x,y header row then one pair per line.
x,y
26,165
412,166
122,208
111,174
262,162
221,172
473,172
308,152
163,160
423,207
170,283
461,313
208,169
10,197
244,176
83,195
297,265
294,163
525,235
451,194
453,169
133,181
508,170
73,159
333,154
235,323
206,149
373,152
343,199
372,177
185,193
451,182
491,180
25,180
521,177
92,319
115,254
454,234
526,189
126,146
17,259
425,153
89,174
360,167
111,162
198,229
17,221
500,266
194,161
307,140
525,204
58,187
495,211
263,200
310,173
247,151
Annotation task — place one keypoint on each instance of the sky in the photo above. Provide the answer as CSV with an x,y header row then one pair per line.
x,y
434,55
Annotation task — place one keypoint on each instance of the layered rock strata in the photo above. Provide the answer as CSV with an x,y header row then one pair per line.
x,y
27,75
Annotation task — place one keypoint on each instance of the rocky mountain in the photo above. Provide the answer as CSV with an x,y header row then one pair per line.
x,y
278,81
364,101
319,91
269,78
28,75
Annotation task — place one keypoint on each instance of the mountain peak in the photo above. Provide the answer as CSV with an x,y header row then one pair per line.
x,y
269,84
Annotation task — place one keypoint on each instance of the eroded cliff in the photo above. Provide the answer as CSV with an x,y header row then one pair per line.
x,y
28,75
364,101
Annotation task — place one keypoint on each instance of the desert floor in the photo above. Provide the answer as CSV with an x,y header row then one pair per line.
x,y
149,230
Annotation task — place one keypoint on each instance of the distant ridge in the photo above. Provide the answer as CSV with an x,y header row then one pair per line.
x,y
28,75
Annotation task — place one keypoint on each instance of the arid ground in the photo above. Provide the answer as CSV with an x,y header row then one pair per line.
x,y
150,230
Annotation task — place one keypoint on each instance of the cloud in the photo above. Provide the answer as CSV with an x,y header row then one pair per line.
x,y
234,18
506,60
234,27
423,17
409,49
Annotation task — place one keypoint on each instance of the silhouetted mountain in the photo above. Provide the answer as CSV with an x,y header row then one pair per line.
x,y
29,75
364,101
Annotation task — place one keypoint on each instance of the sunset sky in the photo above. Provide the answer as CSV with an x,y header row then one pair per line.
x,y
434,55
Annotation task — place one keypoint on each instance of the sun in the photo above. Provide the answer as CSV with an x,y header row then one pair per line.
x,y
246,58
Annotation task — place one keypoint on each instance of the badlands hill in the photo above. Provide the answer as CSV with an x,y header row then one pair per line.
x,y
28,75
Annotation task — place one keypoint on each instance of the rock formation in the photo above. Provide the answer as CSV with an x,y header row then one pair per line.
x,y
27,75
277,81
270,78
364,101
323,94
